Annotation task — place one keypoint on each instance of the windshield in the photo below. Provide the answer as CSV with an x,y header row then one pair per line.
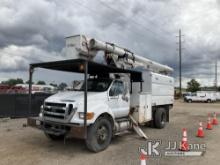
x,y
97,85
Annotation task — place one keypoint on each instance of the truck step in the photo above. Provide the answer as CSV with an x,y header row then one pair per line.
x,y
123,133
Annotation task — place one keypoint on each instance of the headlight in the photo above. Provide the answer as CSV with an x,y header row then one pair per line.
x,y
89,115
41,111
40,115
41,108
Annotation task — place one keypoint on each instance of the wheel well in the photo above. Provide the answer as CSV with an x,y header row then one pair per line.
x,y
108,116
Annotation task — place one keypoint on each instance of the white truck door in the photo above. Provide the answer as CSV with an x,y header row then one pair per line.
x,y
119,100
124,100
202,97
196,97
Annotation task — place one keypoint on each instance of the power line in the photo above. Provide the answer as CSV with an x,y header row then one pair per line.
x,y
209,75
145,18
129,19
129,27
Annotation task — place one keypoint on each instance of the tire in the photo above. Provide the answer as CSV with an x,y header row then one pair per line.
x,y
151,124
99,135
208,101
160,118
189,101
54,137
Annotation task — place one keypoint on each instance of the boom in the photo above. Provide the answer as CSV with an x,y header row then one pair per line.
x,y
118,56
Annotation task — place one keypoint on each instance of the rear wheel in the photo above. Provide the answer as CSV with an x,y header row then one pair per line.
x,y
160,118
99,135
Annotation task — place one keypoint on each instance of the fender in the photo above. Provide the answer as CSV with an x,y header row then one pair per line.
x,y
98,109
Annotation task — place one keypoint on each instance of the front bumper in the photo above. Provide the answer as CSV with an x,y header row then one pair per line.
x,y
67,129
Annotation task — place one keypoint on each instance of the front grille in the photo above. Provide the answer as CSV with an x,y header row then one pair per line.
x,y
55,104
55,110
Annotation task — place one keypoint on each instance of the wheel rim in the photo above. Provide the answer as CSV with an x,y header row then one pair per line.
x,y
102,134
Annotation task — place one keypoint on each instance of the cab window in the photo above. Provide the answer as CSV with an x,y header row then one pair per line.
x,y
117,88
97,85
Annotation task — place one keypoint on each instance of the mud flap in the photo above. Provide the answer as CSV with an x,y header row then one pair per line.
x,y
137,129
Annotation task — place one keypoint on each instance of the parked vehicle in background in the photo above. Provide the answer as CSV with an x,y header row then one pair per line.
x,y
186,94
201,96
217,95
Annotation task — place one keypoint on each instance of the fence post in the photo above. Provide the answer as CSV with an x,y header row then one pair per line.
x,y
31,70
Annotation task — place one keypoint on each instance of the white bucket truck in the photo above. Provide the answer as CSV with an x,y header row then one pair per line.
x,y
125,92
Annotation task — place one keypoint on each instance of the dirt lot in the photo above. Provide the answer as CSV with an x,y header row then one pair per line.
x,y
25,145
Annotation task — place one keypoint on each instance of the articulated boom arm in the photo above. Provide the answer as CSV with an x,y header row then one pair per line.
x,y
121,57
128,57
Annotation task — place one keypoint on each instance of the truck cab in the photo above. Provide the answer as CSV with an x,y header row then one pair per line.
x,y
105,95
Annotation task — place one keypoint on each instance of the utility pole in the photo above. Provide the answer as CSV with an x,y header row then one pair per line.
x,y
216,75
180,62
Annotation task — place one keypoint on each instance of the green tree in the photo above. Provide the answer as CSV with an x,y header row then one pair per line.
x,y
27,82
62,86
193,86
41,83
12,82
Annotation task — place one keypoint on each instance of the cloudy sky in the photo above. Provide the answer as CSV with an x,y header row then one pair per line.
x,y
34,31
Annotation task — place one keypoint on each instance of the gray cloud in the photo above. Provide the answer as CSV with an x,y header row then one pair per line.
x,y
148,28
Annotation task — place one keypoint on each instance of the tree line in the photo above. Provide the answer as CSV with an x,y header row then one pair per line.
x,y
13,82
194,86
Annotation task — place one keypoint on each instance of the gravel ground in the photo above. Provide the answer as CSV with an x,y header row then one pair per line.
x,y
25,145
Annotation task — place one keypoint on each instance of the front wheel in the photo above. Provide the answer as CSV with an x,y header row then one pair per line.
x,y
99,135
208,101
